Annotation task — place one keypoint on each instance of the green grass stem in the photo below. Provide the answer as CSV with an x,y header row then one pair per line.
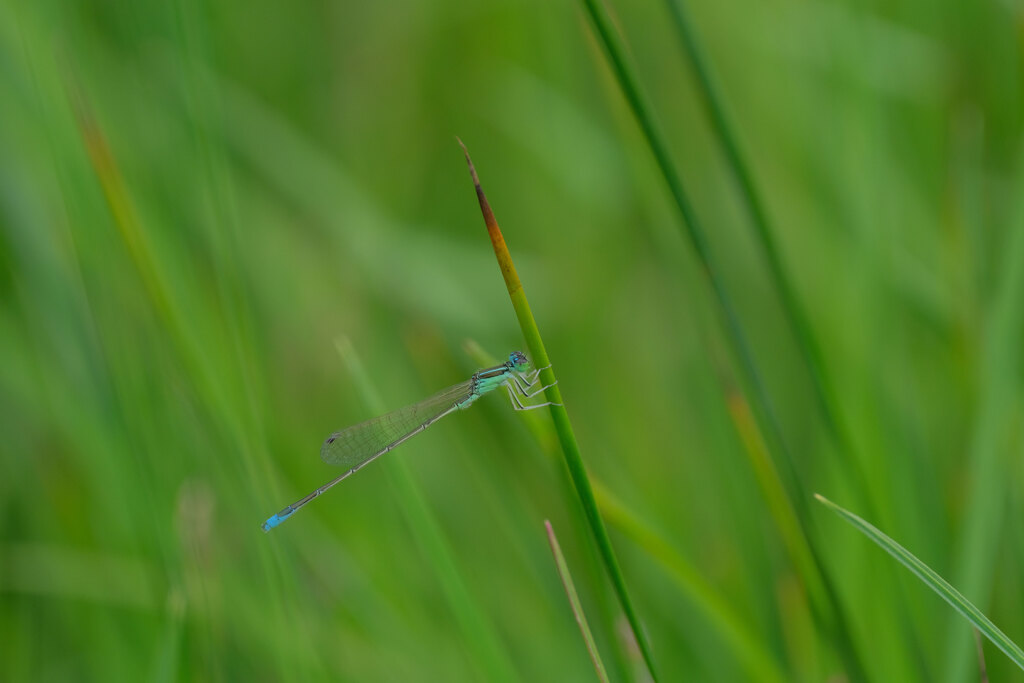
x,y
563,427
734,333
758,662
831,611
807,344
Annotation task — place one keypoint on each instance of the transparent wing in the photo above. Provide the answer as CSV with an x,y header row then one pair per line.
x,y
360,442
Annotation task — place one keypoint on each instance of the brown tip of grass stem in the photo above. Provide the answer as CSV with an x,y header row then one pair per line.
x,y
472,169
485,207
508,270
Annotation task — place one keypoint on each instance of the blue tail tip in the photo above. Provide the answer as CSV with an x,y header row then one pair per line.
x,y
275,520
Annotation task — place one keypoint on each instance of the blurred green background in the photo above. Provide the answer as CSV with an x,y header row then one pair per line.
x,y
283,176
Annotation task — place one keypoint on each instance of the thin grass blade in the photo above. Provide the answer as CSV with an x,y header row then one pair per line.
x,y
574,602
933,581
806,342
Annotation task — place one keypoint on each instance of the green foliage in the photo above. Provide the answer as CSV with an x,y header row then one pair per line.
x,y
277,175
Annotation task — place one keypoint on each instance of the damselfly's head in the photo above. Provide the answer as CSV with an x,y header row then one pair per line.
x,y
517,361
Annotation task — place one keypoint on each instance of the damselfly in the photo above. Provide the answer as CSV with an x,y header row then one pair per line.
x,y
361,444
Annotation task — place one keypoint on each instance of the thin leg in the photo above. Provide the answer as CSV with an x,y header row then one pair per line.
x,y
538,390
524,391
536,373
541,405
521,383
519,386
518,405
528,378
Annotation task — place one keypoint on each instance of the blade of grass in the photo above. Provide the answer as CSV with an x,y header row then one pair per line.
x,y
563,427
821,595
807,344
231,421
574,602
831,612
800,554
922,571
797,319
734,332
122,210
476,628
147,264
759,663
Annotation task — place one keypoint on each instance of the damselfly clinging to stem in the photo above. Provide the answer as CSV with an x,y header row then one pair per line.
x,y
361,444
